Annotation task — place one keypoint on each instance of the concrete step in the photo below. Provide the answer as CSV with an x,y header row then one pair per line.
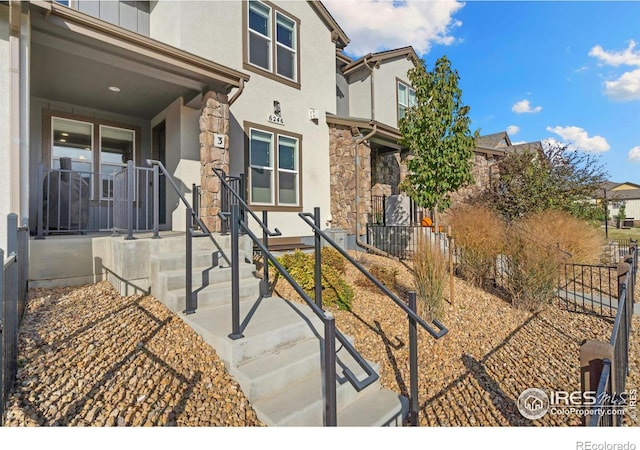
x,y
278,364
302,404
175,244
213,295
201,258
201,276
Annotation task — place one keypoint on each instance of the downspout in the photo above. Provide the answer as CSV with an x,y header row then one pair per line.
x,y
15,25
25,95
364,245
237,93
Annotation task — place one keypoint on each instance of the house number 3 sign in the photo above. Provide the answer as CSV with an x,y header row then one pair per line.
x,y
218,140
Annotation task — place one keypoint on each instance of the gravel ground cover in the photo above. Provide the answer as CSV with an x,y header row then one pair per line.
x,y
89,357
474,375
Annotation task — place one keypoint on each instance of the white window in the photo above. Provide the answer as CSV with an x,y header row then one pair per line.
x,y
406,99
260,35
94,148
272,41
273,168
72,139
116,148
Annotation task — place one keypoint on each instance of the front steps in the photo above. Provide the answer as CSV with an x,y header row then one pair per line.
x,y
278,362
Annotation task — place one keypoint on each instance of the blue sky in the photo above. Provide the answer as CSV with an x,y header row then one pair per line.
x,y
568,71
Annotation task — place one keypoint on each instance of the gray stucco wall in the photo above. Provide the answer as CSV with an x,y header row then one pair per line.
x,y
386,102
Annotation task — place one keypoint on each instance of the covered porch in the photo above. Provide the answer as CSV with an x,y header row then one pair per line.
x,y
101,101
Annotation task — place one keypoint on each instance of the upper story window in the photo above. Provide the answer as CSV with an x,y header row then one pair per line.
x,y
406,99
271,43
274,168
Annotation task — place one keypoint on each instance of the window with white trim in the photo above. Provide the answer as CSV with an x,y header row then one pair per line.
x,y
406,99
274,168
272,40
93,148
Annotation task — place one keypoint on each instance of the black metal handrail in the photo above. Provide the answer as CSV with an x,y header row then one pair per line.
x,y
442,330
224,215
192,218
238,224
413,318
614,373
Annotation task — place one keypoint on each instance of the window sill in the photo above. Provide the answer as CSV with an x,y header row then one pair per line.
x,y
271,75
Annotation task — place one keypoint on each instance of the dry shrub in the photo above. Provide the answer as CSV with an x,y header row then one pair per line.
x,y
479,236
538,247
430,274
577,240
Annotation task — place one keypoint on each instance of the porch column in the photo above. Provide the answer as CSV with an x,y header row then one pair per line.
x,y
214,120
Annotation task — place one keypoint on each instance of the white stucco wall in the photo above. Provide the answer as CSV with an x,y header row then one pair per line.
x,y
214,30
360,93
5,143
385,101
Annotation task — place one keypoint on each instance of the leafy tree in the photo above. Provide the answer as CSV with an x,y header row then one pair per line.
x,y
436,132
553,178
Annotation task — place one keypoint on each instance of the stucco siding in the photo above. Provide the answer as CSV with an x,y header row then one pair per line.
x,y
360,94
385,95
5,143
213,30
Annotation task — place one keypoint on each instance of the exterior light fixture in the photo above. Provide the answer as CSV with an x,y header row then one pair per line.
x,y
276,107
114,88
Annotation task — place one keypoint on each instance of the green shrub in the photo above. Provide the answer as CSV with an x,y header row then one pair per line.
x,y
335,289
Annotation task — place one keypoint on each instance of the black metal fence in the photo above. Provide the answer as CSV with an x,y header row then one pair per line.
x,y
400,241
13,296
71,201
611,373
593,288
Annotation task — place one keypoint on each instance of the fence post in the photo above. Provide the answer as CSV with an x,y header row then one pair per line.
x,y
330,410
266,291
40,199
592,354
130,199
156,202
318,258
413,363
190,306
384,210
451,284
235,274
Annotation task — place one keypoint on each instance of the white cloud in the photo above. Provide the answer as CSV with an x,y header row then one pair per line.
x,y
581,69
374,25
627,86
634,154
512,130
523,106
579,139
626,57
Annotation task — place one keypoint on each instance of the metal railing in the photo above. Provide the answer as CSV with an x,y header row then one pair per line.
x,y
192,222
611,395
72,201
378,210
239,223
13,297
586,287
313,220
400,241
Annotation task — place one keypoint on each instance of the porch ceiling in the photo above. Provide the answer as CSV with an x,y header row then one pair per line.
x,y
76,63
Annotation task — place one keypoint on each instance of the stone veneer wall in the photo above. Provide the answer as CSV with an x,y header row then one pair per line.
x,y
214,118
343,179
388,171
482,173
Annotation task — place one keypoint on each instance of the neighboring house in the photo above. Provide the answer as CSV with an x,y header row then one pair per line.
x,y
372,94
619,194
